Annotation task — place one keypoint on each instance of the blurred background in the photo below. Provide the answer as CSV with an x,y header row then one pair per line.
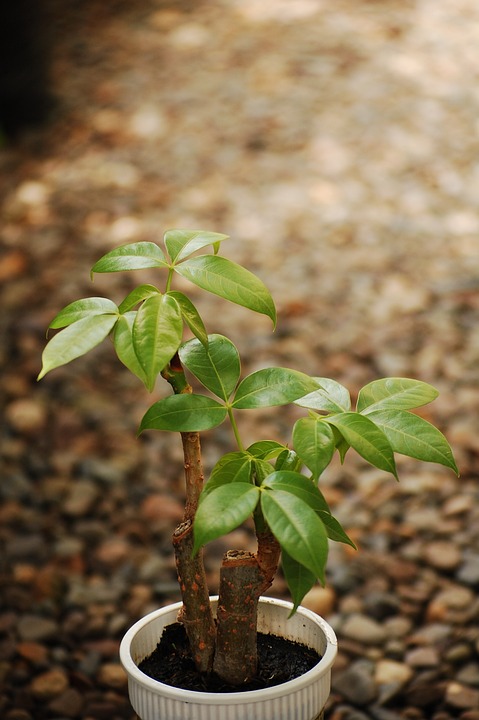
x,y
337,143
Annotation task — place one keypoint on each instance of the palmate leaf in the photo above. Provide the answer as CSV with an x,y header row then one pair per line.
x,y
335,530
222,510
76,340
366,438
411,435
300,580
217,366
134,256
313,440
230,281
297,528
157,334
394,393
125,349
182,243
81,309
232,467
271,387
330,397
191,316
184,413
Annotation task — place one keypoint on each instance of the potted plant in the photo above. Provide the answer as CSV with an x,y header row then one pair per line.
x,y
160,333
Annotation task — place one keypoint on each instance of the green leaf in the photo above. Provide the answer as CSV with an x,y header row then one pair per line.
x,y
123,341
136,296
288,460
300,580
230,281
366,438
395,394
331,397
157,334
232,467
261,470
76,340
135,256
300,486
216,366
297,528
334,529
83,308
411,435
266,449
182,243
191,316
184,413
272,386
313,440
222,510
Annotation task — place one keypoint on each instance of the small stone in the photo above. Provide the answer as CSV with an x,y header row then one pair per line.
x,y
320,600
69,704
469,674
389,671
113,551
461,697
112,675
49,684
397,627
81,498
423,657
33,652
26,416
443,555
161,507
455,603
356,683
37,628
363,629
468,573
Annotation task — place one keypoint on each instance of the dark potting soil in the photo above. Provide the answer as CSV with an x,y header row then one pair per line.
x,y
279,660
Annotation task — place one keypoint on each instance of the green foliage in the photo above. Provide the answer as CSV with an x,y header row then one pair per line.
x,y
275,484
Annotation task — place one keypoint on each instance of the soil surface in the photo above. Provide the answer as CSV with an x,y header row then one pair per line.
x,y
279,660
337,143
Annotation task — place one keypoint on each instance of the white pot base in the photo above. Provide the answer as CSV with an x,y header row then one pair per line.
x,y
300,699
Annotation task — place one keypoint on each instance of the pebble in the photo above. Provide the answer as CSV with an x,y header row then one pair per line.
x,y
26,416
112,675
49,684
320,600
460,696
356,683
81,498
363,629
443,555
389,671
69,704
37,628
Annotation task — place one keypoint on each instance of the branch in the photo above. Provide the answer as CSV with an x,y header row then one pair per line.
x,y
236,644
196,613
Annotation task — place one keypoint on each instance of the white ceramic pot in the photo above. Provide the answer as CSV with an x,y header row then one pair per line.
x,y
301,699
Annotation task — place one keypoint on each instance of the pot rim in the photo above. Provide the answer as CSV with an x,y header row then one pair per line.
x,y
322,667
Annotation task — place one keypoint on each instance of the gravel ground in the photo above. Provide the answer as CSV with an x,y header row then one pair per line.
x,y
337,144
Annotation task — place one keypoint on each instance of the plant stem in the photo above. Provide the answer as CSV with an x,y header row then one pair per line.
x,y
236,645
196,614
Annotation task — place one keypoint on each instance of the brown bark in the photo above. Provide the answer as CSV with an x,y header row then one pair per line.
x,y
267,556
194,476
236,649
196,613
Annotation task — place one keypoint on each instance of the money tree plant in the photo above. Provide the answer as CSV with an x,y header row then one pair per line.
x,y
157,332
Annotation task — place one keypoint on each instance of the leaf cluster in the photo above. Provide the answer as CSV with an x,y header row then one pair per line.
x,y
275,484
